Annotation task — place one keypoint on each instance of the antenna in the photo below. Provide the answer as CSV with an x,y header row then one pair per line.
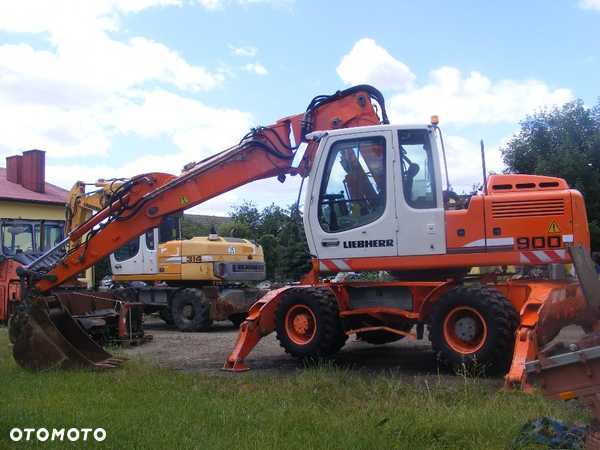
x,y
483,166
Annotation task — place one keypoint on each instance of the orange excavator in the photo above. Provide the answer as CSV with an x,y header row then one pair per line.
x,y
375,201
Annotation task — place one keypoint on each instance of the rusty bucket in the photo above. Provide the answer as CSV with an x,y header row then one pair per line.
x,y
49,338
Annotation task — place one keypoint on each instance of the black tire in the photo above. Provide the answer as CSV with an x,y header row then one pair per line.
x,y
380,337
166,315
238,319
317,307
472,326
191,310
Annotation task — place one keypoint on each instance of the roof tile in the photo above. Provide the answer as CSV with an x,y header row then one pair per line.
x,y
15,192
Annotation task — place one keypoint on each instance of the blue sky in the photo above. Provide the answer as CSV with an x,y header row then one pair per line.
x,y
113,88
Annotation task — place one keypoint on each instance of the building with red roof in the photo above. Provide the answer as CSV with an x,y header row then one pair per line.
x,y
24,192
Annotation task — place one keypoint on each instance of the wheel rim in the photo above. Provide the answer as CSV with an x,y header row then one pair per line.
x,y
300,324
465,330
188,311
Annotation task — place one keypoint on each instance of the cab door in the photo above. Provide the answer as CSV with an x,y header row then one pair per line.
x,y
418,195
149,251
350,201
137,257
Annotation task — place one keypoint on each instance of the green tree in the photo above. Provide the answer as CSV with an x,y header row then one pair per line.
x,y
562,142
246,213
295,261
191,228
270,246
235,229
273,219
285,260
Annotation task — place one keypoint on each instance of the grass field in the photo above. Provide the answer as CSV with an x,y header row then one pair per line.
x,y
143,407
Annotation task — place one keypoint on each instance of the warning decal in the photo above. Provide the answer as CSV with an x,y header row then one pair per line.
x,y
183,200
553,228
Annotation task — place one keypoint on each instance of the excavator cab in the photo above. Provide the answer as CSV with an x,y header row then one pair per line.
x,y
22,241
53,331
379,194
29,237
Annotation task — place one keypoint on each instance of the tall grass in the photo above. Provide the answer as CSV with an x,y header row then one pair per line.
x,y
143,407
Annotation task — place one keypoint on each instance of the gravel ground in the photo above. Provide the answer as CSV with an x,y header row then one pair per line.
x,y
208,351
412,360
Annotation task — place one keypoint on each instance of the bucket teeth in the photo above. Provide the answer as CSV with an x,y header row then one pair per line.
x,y
57,343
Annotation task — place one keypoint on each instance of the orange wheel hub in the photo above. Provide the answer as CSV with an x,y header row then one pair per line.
x,y
300,324
465,330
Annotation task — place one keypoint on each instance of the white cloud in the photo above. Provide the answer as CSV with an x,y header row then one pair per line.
x,y
93,66
465,167
84,56
151,114
461,100
256,68
197,131
473,100
244,50
220,4
64,133
36,16
67,100
371,64
590,4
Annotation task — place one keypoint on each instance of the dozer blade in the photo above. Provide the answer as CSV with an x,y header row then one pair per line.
x,y
566,371
50,338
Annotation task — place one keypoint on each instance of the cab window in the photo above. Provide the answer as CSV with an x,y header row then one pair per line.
x,y
53,234
17,238
128,251
353,188
169,230
418,180
150,239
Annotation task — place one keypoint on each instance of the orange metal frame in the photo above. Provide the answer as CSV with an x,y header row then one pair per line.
x,y
10,288
562,299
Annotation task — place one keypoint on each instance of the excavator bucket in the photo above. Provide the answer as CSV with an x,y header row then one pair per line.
x,y
566,371
49,338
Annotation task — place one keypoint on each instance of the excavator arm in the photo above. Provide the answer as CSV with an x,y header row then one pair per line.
x,y
142,202
81,205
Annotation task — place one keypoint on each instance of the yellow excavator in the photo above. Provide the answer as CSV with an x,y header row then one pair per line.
x,y
191,283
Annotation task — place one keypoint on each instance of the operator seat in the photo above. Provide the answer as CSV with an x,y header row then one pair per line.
x,y
411,173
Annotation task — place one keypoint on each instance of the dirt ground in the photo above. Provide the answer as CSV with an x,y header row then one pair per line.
x,y
412,360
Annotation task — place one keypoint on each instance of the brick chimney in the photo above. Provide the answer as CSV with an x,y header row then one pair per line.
x,y
34,170
28,170
14,169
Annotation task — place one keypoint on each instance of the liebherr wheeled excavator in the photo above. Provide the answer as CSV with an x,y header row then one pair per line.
x,y
375,202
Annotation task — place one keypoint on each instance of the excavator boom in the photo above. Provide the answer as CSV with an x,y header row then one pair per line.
x,y
141,203
149,198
